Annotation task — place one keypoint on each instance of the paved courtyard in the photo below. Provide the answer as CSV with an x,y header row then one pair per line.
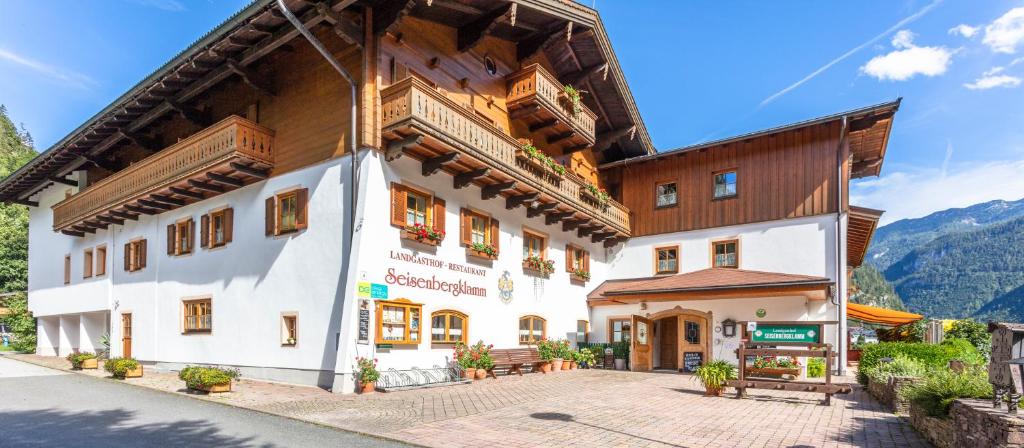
x,y
578,408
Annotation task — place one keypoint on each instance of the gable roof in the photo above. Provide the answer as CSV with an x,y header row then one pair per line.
x,y
711,279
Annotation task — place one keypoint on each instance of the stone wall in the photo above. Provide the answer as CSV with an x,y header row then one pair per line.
x,y
978,425
939,431
888,393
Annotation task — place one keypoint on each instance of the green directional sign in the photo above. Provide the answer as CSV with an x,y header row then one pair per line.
x,y
771,333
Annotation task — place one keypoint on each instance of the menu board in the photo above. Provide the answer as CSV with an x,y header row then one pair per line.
x,y
692,360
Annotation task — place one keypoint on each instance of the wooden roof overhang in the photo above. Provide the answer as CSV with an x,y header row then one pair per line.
x,y
859,230
573,38
709,284
868,133
176,88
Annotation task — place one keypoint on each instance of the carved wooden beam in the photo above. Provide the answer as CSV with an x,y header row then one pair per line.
x,y
167,200
530,46
123,215
140,140
250,77
559,137
110,220
605,139
463,180
72,233
612,242
250,171
205,186
226,180
63,180
396,148
492,191
99,163
141,210
345,28
83,229
154,204
543,125
571,224
434,164
540,209
26,202
584,231
387,16
195,116
188,193
473,32
555,217
524,112
601,236
95,225
572,149
512,202
577,77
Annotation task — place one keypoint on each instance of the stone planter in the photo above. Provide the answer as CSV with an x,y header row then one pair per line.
x,y
713,391
572,365
888,393
939,431
978,425
556,364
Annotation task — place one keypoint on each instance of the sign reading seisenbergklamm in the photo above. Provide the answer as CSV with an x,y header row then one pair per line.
x,y
810,334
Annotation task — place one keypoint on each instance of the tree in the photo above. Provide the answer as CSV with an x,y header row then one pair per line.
x,y
15,151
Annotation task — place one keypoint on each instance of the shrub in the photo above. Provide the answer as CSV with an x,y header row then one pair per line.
x,y
480,356
815,368
119,367
563,349
196,377
974,332
367,367
621,349
714,374
76,359
901,365
585,357
462,357
937,391
932,355
546,349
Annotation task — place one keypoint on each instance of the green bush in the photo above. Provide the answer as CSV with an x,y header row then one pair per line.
x,y
931,355
621,349
974,332
815,368
119,367
901,365
76,359
196,377
714,374
937,391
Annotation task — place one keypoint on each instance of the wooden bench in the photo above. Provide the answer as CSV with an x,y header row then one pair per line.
x,y
514,359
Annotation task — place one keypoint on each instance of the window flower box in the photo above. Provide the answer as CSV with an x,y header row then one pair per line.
x,y
484,251
595,194
795,371
539,265
423,234
580,275
540,161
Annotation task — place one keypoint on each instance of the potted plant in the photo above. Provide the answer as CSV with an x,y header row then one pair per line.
x,y
368,374
597,194
561,353
713,376
84,360
482,360
539,265
208,379
423,234
537,159
122,368
585,358
574,356
574,97
546,352
482,250
621,351
464,360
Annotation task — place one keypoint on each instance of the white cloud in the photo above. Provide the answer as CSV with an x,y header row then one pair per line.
x,y
992,81
68,77
993,71
1007,32
964,30
913,194
908,60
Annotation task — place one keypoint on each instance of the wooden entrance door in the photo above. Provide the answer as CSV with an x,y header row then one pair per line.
x,y
693,341
126,335
669,342
642,345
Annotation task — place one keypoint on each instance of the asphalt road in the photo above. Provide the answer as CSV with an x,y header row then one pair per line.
x,y
45,407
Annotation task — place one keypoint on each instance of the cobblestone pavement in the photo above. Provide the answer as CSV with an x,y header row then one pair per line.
x,y
578,408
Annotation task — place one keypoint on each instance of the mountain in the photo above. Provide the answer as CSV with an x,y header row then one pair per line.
x,y
869,287
894,241
1007,307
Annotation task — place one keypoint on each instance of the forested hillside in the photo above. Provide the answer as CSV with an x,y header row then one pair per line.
x,y
869,287
15,151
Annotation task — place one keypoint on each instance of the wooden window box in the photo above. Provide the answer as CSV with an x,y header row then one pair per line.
x,y
538,164
534,270
481,254
578,278
412,236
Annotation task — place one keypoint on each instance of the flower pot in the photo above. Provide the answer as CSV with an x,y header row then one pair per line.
x,y
572,365
134,373
480,374
545,367
366,388
469,373
713,391
90,364
556,364
620,364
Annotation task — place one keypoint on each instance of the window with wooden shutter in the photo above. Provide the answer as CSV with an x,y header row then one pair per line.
x,y
181,237
197,316
495,235
420,215
67,269
285,212
398,204
217,229
204,231
87,263
577,263
101,261
134,255
301,208
478,232
269,228
172,239
127,257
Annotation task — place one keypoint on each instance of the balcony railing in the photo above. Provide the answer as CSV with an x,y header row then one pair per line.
x,y
231,139
535,93
412,107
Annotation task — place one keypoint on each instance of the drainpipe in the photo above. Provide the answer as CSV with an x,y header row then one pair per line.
x,y
840,275
352,110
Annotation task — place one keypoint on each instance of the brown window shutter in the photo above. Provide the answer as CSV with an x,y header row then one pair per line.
x,y
586,260
204,231
171,228
399,196
465,227
568,258
229,225
302,208
269,221
127,257
142,254
438,222
495,234
191,234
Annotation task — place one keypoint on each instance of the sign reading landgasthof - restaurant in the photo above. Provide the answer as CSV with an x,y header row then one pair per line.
x,y
787,333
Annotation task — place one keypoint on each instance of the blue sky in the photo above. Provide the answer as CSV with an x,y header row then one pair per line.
x,y
699,71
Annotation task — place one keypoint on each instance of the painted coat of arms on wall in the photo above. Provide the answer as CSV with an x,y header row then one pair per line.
x,y
505,287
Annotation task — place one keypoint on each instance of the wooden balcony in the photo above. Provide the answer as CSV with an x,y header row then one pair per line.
x,y
536,97
419,121
222,157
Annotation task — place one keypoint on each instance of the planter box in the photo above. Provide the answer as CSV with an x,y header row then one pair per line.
x,y
213,389
411,236
534,271
577,278
90,364
888,393
479,254
941,432
853,356
774,371
537,164
134,373
978,425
